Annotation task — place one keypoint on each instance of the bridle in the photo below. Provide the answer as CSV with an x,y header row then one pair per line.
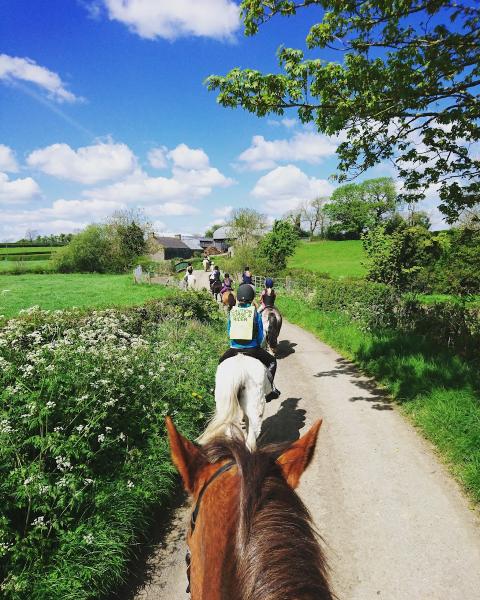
x,y
193,519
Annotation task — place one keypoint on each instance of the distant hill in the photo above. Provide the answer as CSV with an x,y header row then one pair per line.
x,y
338,259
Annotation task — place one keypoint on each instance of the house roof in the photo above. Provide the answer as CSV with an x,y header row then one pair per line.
x,y
192,242
170,242
222,233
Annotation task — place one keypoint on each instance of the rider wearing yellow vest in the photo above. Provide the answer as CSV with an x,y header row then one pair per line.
x,y
245,330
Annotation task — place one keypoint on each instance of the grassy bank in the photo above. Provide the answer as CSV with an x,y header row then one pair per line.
x,y
338,259
438,390
84,458
57,291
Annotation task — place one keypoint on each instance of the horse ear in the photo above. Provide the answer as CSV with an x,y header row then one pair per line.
x,y
295,459
187,458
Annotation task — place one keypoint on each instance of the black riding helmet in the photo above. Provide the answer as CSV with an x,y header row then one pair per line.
x,y
245,293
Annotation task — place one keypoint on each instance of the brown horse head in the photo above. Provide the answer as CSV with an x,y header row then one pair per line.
x,y
252,536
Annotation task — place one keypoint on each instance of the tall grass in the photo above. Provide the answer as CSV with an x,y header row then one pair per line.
x,y
438,390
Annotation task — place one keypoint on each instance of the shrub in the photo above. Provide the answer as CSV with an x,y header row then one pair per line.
x,y
83,451
458,270
89,251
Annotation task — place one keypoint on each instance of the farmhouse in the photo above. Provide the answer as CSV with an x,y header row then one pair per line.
x,y
166,248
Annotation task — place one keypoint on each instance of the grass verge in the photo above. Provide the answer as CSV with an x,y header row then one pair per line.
x,y
437,389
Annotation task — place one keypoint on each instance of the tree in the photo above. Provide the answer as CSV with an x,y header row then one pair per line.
x,y
406,88
313,214
246,224
356,207
130,230
403,258
211,230
277,245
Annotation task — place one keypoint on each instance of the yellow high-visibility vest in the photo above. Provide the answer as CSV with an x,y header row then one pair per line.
x,y
241,322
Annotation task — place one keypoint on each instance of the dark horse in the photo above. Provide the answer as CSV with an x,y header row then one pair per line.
x,y
272,323
216,288
250,536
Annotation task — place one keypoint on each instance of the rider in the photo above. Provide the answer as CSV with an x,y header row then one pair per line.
x,y
247,276
227,284
214,276
268,295
245,330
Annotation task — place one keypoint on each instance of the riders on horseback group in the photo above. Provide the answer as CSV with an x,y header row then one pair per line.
x,y
245,330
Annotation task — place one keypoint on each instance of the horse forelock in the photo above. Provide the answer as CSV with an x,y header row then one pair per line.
x,y
277,549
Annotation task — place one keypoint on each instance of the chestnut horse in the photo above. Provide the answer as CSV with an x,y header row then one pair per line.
x,y
229,300
250,537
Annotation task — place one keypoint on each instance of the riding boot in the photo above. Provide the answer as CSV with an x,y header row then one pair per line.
x,y
275,393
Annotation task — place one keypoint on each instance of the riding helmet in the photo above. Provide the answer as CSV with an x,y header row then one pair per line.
x,y
245,293
268,282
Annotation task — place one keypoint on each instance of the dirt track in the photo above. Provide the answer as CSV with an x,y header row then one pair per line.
x,y
395,524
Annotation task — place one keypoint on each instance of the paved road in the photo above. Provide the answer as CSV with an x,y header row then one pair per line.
x,y
395,525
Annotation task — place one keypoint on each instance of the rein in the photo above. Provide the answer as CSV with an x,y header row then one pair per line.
x,y
193,519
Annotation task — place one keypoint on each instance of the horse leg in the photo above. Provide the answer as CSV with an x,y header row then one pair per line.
x,y
253,409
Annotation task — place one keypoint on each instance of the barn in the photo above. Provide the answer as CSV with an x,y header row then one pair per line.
x,y
166,248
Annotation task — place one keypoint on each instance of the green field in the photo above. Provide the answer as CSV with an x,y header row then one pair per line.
x,y
28,250
56,291
338,259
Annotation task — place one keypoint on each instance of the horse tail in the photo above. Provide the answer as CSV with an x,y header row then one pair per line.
x,y
229,379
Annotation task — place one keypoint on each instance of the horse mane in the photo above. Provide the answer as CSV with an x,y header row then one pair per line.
x,y
278,554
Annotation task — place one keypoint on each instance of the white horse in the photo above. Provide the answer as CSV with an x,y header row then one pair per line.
x,y
241,384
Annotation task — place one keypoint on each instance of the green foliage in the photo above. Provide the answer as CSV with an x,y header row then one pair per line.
x,y
83,451
404,88
402,258
437,389
211,230
357,207
277,245
90,251
458,270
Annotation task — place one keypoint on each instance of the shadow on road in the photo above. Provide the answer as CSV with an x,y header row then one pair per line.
x,y
378,397
285,348
140,569
285,425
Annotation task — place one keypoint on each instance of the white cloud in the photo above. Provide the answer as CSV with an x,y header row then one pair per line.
x,y
157,157
172,209
285,188
307,146
188,158
289,123
14,68
223,211
7,159
87,165
17,190
171,19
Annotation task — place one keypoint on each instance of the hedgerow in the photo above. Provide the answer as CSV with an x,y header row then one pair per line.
x,y
83,451
452,324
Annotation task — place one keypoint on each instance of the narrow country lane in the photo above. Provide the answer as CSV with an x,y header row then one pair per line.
x,y
395,525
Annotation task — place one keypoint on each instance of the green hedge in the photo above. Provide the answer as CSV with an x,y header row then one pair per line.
x,y
83,451
453,324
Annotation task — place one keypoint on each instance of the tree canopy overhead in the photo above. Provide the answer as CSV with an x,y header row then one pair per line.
x,y
405,88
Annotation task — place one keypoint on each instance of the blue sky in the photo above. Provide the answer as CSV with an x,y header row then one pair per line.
x,y
103,107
